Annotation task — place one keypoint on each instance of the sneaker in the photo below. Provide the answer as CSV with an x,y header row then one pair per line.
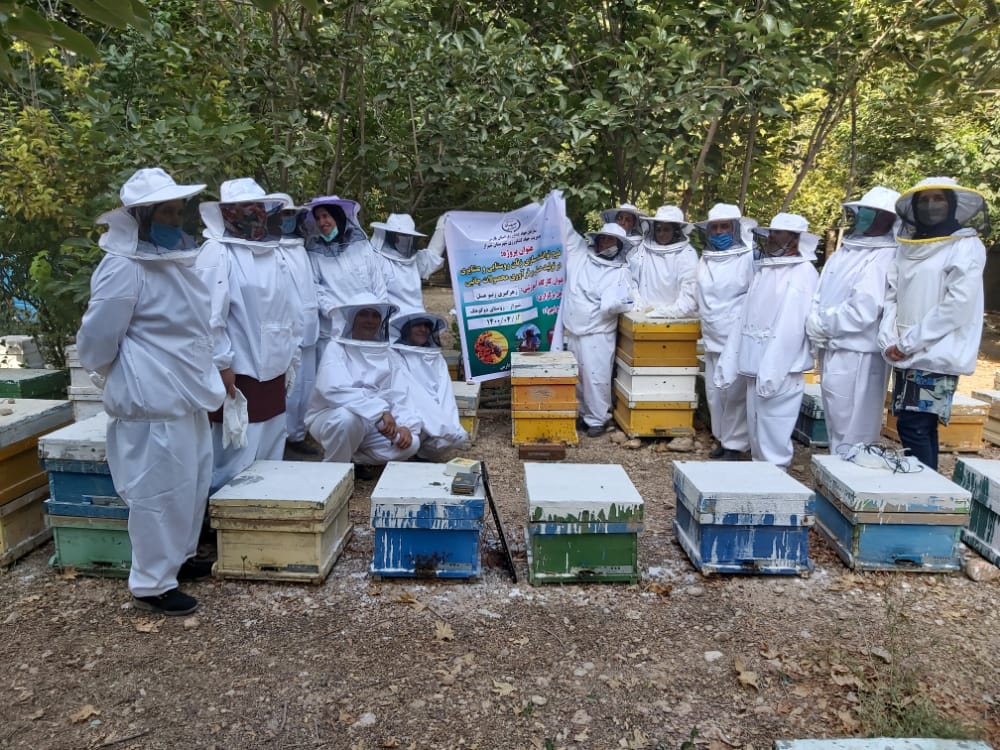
x,y
365,472
302,447
717,452
597,430
732,455
194,570
172,604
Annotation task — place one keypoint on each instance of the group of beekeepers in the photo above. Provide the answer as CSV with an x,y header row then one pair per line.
x,y
288,319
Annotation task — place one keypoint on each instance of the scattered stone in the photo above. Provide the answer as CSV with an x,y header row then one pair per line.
x,y
633,444
190,623
981,571
694,590
711,656
366,719
539,700
618,437
681,445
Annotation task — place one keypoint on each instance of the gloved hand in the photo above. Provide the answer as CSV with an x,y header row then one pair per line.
x,y
290,374
97,379
815,331
235,421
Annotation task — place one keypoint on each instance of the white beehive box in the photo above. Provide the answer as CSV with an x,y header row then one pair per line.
x,y
466,397
656,383
561,365
18,350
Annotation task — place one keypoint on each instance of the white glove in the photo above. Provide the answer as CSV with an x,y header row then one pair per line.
x,y
235,421
97,379
290,378
815,331
662,312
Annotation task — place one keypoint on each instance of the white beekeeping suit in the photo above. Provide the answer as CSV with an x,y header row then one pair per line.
x,y
358,411
416,355
771,348
291,248
256,318
146,332
598,288
403,266
342,260
843,324
665,265
724,273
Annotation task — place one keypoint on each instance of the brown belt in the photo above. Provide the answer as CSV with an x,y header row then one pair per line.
x,y
265,399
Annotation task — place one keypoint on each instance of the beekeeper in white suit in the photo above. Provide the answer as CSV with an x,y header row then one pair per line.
x,y
724,273
146,336
933,317
403,265
628,217
843,324
599,287
664,266
255,320
771,349
416,355
358,411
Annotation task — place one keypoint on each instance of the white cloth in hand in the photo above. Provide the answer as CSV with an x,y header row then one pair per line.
x,y
235,421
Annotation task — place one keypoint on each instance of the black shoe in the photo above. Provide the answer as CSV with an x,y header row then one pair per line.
x,y
717,452
596,430
172,604
731,455
365,472
194,570
302,447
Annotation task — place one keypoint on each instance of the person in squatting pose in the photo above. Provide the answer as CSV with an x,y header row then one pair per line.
x,y
843,324
724,273
146,337
770,349
933,319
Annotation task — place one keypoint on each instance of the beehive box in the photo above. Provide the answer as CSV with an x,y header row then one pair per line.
x,y
75,458
22,382
652,418
18,350
22,525
453,358
810,427
982,478
657,342
657,383
20,429
87,402
92,539
583,522
742,517
467,401
535,427
421,529
964,431
991,430
879,520
282,520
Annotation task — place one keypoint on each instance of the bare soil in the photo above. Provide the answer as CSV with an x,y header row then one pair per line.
x,y
356,663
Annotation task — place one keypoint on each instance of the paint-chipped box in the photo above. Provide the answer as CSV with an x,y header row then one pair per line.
x,y
657,342
879,520
656,383
282,520
742,517
533,427
75,458
583,523
810,427
964,431
553,368
652,418
991,430
22,525
22,382
22,422
982,478
91,538
467,401
421,530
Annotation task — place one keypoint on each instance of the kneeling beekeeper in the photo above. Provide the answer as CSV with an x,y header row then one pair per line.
x,y
146,335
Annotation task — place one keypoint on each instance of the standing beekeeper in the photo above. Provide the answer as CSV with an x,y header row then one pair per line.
x,y
598,288
724,273
256,323
416,356
771,349
358,411
933,317
402,264
628,217
665,265
843,325
342,260
146,337
291,249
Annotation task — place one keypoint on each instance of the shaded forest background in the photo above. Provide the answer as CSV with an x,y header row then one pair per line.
x,y
420,107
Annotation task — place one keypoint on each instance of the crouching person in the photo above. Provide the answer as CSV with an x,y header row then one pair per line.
x,y
146,333
416,356
358,410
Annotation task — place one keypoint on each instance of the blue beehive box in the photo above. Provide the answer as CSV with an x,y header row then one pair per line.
x,y
880,520
810,427
981,477
742,517
75,458
421,529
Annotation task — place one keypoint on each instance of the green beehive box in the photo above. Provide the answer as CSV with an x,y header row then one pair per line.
x,y
22,382
583,523
91,546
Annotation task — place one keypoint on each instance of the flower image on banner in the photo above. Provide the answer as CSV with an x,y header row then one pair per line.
x,y
507,273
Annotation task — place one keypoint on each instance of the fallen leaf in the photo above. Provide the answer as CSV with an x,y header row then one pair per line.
x,y
345,718
502,689
69,574
409,598
37,714
391,742
443,632
744,675
660,589
148,626
769,652
849,722
84,713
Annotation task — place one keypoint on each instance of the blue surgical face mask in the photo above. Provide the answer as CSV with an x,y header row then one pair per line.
x,y
332,236
864,220
165,235
721,241
288,224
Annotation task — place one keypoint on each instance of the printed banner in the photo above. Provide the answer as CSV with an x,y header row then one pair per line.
x,y
507,274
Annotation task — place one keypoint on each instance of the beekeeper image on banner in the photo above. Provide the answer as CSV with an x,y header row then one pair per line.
x,y
724,273
843,324
933,317
415,353
358,411
599,286
146,337
256,322
664,266
403,265
771,349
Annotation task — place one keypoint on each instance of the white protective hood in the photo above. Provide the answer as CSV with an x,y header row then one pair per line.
x,y
608,217
353,232
671,214
789,223
731,212
399,224
242,190
971,215
881,199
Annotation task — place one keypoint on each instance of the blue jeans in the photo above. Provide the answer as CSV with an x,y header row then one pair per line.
x,y
918,432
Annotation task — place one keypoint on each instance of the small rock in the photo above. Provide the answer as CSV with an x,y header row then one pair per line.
x,y
5,412
681,445
539,700
694,590
981,571
711,656
365,720
190,623
633,444
581,717
618,437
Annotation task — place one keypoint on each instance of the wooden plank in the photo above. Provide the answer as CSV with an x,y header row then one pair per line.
x,y
541,452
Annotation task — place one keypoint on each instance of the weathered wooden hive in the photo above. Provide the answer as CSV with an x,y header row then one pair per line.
x,y
543,397
964,431
810,427
981,477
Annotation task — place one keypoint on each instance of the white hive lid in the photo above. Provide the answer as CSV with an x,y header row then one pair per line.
x,y
595,492
80,441
287,485
466,394
543,365
962,405
404,483
31,416
745,487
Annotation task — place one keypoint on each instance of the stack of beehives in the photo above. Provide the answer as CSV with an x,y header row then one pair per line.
x,y
656,366
86,397
467,400
20,351
543,398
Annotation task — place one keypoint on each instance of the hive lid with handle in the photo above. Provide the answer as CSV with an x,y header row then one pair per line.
x,y
581,493
278,487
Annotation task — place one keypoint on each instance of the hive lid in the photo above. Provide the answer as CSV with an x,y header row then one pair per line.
x,y
466,394
404,483
31,416
543,365
753,487
880,490
571,493
287,485
965,406
80,441
648,371
981,477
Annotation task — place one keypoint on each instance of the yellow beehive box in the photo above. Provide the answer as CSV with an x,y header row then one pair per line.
x,y
657,342
282,520
22,525
471,425
22,422
964,432
653,418
533,427
543,397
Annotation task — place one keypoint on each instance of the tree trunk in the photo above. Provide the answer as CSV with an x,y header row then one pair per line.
x,y
748,158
